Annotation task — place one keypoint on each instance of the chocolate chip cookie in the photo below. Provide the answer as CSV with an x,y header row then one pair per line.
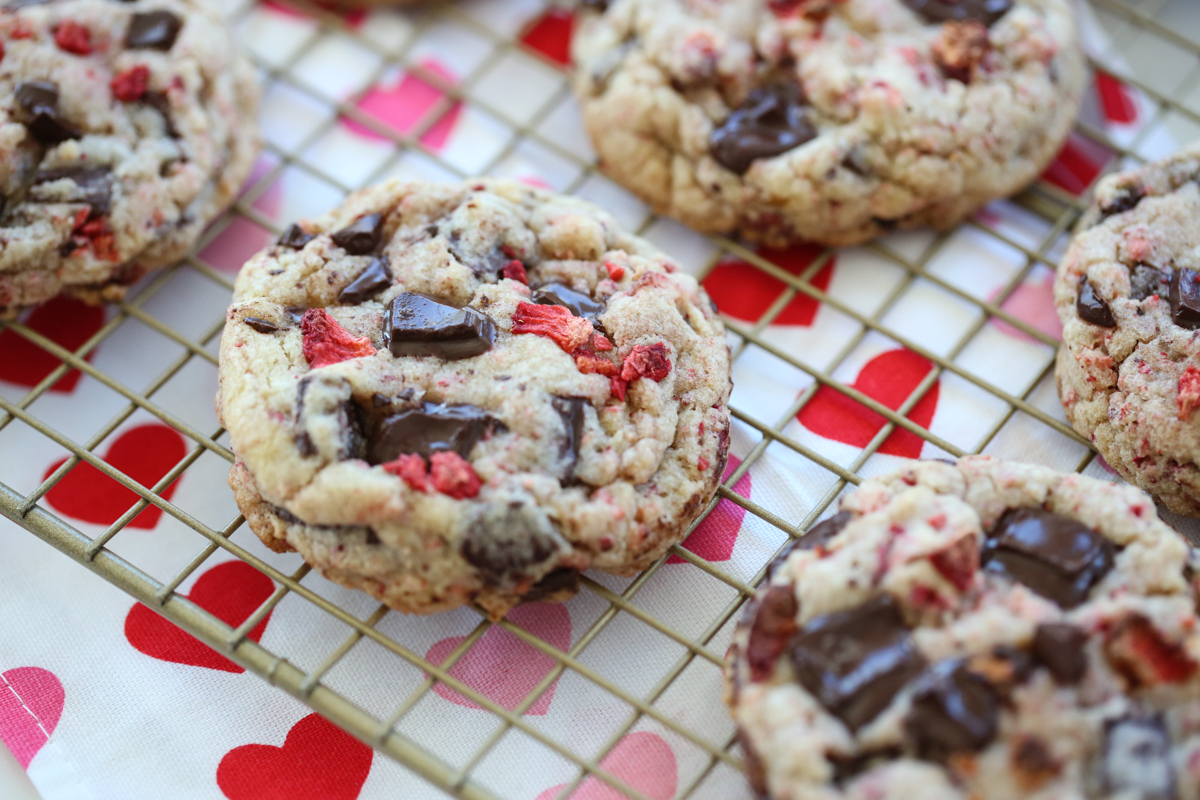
x,y
126,127
1128,295
446,394
826,120
982,630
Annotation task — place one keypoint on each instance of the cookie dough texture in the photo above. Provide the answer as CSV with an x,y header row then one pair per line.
x,y
913,121
574,464
960,677
1129,369
125,127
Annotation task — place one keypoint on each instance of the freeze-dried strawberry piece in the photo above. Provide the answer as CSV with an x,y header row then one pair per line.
x,y
554,322
94,232
771,626
589,362
130,86
960,48
615,271
515,270
326,342
1138,651
74,38
958,563
1188,396
411,468
646,361
453,475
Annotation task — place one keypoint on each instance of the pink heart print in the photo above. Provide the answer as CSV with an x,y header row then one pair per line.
x,y
1033,303
404,105
242,238
714,538
642,760
502,667
31,702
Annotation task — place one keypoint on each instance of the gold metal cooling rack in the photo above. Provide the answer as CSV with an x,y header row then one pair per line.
x,y
1138,30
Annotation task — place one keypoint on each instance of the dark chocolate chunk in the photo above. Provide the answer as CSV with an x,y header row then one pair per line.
x,y
773,120
431,428
379,401
1146,281
296,313
985,11
1059,647
370,282
855,160
1055,556
594,5
571,409
1034,762
953,711
488,263
557,582
295,237
363,237
815,537
94,182
855,661
506,538
291,519
578,303
1185,298
260,325
417,325
318,399
153,30
1136,760
846,768
1092,308
1004,669
3,205
771,617
1126,199
39,99
162,104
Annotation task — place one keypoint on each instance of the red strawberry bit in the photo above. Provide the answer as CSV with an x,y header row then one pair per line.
x,y
1188,396
1138,651
21,30
702,463
646,361
411,468
1,49
130,86
453,475
772,623
615,271
618,387
958,563
326,342
74,38
515,270
960,48
97,233
924,597
554,322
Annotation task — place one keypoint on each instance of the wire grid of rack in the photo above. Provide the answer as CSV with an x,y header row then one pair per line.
x,y
1137,20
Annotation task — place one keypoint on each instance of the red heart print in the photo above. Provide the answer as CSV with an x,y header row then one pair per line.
x,y
145,453
1033,303
745,292
502,667
63,320
1116,99
31,703
550,35
1077,164
714,538
404,105
642,760
318,761
231,592
889,378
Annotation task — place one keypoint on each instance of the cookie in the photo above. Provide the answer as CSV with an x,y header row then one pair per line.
x,y
826,120
983,630
1128,295
468,393
127,127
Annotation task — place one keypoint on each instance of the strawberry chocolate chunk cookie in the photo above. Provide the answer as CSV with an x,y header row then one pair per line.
x,y
975,631
468,393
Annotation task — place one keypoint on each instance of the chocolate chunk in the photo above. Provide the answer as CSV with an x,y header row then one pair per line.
x,y
506,538
563,580
855,661
296,313
846,768
856,160
153,30
773,120
162,104
379,401
771,618
571,409
1126,199
1004,669
1033,762
260,325
1055,556
319,401
289,518
363,237
370,282
594,5
1060,648
486,264
985,11
953,711
417,325
1185,298
816,536
1146,281
94,182
39,99
1092,308
1136,760
295,237
431,428
579,304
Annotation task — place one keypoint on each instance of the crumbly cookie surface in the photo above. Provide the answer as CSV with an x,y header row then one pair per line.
x,y
124,129
1128,295
445,394
983,630
826,120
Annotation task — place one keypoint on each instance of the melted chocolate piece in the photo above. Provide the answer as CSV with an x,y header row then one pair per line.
x,y
579,304
1092,308
295,237
816,536
153,30
1128,198
490,263
431,428
773,120
855,661
1136,760
39,99
953,710
370,282
417,325
363,237
162,104
846,768
771,618
1185,298
1146,281
1060,648
506,538
95,184
260,325
985,11
557,581
1055,556
344,411
291,519
571,409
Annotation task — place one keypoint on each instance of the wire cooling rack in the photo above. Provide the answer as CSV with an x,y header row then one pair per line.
x,y
1160,38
